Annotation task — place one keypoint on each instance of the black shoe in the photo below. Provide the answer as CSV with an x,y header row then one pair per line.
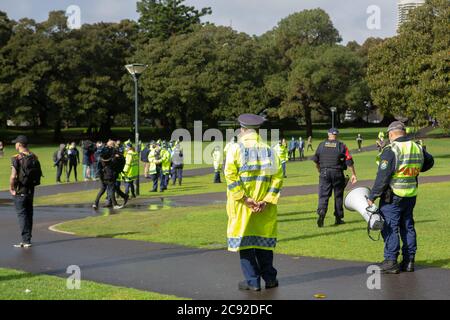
x,y
271,284
243,285
154,190
320,221
338,221
389,267
407,265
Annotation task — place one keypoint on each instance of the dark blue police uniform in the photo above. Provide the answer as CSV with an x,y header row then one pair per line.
x,y
333,157
397,211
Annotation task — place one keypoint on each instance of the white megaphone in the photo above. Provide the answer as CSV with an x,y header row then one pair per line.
x,y
356,200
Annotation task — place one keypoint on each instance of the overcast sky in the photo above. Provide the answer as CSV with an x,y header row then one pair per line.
x,y
250,16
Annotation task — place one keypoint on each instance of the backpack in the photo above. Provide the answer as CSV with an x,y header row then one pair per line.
x,y
30,171
118,163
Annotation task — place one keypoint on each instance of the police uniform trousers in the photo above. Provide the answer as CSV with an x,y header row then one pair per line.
x,y
398,216
331,180
257,264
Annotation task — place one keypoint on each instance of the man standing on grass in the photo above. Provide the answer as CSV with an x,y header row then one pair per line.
x,y
26,174
254,179
396,185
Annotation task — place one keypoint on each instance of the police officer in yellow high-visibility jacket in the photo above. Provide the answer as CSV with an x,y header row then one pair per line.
x,y
396,185
154,161
130,171
254,179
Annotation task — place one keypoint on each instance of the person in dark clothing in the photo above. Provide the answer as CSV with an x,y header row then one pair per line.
x,y
144,159
107,178
25,175
73,160
396,185
60,161
88,149
332,157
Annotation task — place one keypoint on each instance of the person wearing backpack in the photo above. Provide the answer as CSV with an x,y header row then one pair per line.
x,y
59,161
26,174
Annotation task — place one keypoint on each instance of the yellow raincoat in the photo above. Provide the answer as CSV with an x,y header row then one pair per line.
x,y
252,169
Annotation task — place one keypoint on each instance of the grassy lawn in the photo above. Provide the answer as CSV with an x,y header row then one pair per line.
x,y
45,151
205,227
299,173
14,285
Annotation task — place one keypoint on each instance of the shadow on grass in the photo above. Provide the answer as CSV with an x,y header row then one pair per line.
x,y
297,219
20,276
294,213
113,235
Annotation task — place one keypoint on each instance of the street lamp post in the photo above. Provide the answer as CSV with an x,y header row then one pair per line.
x,y
333,110
136,70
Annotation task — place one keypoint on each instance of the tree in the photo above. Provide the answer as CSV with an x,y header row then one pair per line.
x,y
209,74
409,73
327,76
313,72
6,27
165,18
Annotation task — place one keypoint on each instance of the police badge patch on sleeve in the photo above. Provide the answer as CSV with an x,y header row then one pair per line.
x,y
383,164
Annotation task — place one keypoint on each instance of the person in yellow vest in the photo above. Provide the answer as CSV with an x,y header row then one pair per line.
x,y
282,150
254,179
165,166
130,171
217,162
396,185
154,161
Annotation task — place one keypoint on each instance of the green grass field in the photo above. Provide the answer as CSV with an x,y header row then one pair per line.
x,y
45,152
299,173
19,285
205,227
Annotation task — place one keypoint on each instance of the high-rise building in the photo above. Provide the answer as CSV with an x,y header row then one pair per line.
x,y
404,6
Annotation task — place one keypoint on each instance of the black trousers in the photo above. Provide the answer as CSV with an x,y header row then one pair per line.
x,y
24,209
108,187
59,170
331,180
72,165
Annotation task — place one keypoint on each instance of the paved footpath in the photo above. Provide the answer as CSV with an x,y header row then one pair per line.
x,y
196,273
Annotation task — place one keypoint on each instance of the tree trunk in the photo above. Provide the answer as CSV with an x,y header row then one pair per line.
x,y
308,120
57,131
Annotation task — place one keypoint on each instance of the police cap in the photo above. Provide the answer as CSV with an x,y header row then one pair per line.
x,y
250,121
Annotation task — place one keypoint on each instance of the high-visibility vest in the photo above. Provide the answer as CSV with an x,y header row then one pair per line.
x,y
282,152
217,160
131,166
165,161
152,161
409,161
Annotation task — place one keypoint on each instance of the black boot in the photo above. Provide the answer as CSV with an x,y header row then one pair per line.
x,y
320,221
321,218
407,265
389,267
338,221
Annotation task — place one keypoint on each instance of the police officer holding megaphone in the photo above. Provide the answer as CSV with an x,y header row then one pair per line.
x,y
396,183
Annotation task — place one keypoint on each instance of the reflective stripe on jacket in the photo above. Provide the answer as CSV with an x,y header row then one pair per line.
x,y
409,161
